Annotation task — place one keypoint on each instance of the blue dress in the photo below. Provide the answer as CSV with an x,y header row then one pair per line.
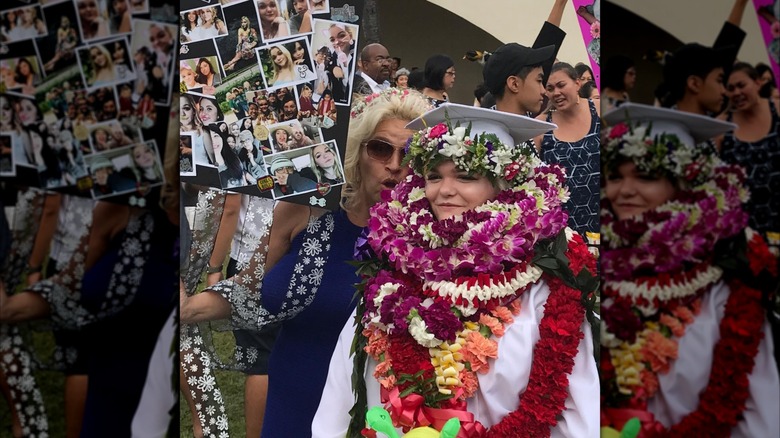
x,y
120,346
761,160
298,365
581,160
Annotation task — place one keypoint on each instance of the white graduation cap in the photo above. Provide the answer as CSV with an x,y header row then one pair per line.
x,y
690,128
511,129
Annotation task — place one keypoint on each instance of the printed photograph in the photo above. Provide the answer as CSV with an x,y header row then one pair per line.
x,y
336,45
292,135
125,170
202,24
292,173
152,49
22,24
106,63
286,63
100,19
237,48
21,74
57,48
281,19
186,164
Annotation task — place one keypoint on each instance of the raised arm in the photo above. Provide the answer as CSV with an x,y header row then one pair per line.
x,y
730,34
735,16
551,35
556,13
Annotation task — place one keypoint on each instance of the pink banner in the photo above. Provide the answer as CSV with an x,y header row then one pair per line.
x,y
768,12
589,17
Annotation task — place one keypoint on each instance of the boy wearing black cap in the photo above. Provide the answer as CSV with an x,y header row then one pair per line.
x,y
516,75
693,79
694,74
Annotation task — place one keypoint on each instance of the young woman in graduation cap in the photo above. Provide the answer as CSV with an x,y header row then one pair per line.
x,y
686,346
466,309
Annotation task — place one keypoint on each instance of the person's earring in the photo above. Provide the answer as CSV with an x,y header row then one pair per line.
x,y
578,99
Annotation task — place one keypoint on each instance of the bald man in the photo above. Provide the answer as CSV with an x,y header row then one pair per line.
x,y
374,66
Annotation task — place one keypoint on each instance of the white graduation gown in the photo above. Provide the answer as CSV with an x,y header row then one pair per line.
x,y
499,389
679,389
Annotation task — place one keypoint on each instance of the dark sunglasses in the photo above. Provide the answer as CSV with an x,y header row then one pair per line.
x,y
381,150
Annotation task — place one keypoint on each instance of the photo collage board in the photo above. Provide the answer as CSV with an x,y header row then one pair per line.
x,y
85,91
266,88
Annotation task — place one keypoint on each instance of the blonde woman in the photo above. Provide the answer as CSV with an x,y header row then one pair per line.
x,y
283,66
145,168
102,67
271,21
247,40
210,25
202,151
325,164
92,18
299,138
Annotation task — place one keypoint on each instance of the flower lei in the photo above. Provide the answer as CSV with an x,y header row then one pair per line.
x,y
656,267
662,154
482,154
681,231
389,93
431,336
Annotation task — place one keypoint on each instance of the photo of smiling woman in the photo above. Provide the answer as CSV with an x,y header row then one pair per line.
x,y
93,19
325,164
281,60
280,67
272,24
700,337
26,73
98,66
340,40
145,167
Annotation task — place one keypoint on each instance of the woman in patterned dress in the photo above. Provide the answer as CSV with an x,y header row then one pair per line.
x,y
755,145
307,249
575,145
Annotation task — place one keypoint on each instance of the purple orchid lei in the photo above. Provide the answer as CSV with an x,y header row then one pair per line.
x,y
682,230
416,248
404,231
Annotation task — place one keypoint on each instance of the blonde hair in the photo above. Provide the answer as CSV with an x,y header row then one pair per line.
x,y
316,168
137,169
109,61
389,104
287,55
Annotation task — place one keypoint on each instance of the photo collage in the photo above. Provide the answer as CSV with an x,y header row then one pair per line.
x,y
261,84
79,97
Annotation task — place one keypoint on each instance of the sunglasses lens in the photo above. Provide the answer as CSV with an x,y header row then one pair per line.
x,y
380,150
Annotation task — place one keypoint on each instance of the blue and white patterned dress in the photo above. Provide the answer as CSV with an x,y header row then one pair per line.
x,y
761,160
582,163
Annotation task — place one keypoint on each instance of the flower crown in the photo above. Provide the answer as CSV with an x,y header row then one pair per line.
x,y
662,154
482,154
360,106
